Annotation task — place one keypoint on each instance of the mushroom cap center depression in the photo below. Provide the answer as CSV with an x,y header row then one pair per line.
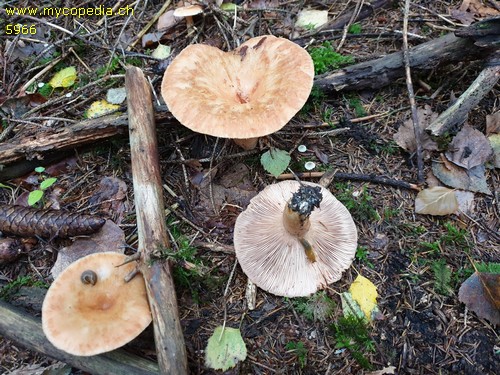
x,y
249,92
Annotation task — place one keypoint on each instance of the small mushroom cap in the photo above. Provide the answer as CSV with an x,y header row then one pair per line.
x,y
275,260
84,319
188,10
249,92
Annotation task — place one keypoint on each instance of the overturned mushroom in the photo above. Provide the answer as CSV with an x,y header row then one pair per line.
x,y
243,94
294,238
90,309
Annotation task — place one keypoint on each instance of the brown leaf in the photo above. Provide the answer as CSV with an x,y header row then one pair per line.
x,y
322,157
493,123
477,7
150,40
469,148
452,175
16,107
110,238
438,200
405,136
463,16
481,294
111,196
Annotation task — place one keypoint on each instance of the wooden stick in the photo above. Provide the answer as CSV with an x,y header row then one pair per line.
x,y
353,177
411,96
456,114
152,233
26,330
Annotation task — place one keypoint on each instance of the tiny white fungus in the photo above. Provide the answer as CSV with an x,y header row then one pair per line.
x,y
310,165
302,148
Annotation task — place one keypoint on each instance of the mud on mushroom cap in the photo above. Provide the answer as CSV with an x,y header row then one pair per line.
x,y
275,260
249,92
84,319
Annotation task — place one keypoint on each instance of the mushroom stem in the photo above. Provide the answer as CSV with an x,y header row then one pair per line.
x,y
295,223
247,143
297,212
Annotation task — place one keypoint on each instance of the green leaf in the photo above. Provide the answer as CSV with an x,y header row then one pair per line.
x,y
47,183
275,161
225,349
35,197
350,307
39,169
64,78
229,7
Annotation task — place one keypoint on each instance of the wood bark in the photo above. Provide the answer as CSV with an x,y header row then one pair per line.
x,y
457,113
383,71
25,330
152,233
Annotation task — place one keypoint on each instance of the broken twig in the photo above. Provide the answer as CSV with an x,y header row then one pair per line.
x,y
411,96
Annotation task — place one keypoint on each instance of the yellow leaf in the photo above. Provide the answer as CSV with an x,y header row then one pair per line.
x,y
64,78
100,107
364,292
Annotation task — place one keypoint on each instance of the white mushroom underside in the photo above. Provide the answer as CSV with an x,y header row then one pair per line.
x,y
276,261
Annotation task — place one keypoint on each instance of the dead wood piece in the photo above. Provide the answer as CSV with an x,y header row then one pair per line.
x,y
383,71
456,114
328,177
76,135
365,12
152,233
26,330
30,222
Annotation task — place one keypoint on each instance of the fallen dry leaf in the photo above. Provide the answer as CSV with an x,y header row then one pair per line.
x,y
452,175
481,294
311,18
477,7
463,16
469,148
111,195
405,136
493,123
364,292
110,238
16,107
385,370
465,201
432,180
438,200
